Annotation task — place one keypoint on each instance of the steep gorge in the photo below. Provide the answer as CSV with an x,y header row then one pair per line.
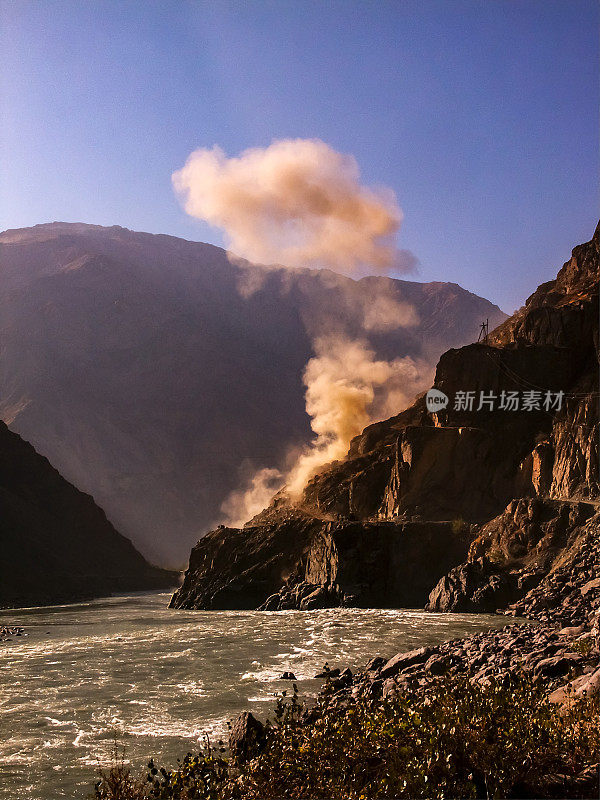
x,y
457,509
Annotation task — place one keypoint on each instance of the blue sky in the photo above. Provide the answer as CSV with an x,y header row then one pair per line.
x,y
482,116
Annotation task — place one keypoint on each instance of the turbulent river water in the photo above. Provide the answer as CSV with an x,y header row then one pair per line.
x,y
130,670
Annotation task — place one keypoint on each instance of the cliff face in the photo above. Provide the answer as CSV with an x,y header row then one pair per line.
x,y
502,493
296,560
521,551
57,545
120,350
539,554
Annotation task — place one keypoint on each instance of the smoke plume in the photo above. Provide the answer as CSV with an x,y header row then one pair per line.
x,y
243,504
301,204
381,313
347,388
297,202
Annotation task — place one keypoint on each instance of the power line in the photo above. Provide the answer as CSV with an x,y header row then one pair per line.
x,y
510,373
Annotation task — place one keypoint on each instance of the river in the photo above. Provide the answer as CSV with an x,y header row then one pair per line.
x,y
129,670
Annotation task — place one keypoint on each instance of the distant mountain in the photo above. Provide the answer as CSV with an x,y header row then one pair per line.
x,y
150,369
57,545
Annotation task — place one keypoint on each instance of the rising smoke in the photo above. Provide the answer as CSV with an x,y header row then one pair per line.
x,y
245,503
297,202
301,204
346,389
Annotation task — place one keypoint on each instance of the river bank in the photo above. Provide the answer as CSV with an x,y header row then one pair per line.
x,y
515,710
545,670
511,712
157,679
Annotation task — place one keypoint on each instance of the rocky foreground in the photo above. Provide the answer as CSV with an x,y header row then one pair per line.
x,y
562,659
563,664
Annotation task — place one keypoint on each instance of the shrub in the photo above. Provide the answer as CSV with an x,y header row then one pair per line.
x,y
118,782
583,646
458,739
200,776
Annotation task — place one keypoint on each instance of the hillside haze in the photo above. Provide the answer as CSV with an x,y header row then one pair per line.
x,y
156,375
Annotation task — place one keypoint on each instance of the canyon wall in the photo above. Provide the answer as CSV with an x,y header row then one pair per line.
x,y
500,495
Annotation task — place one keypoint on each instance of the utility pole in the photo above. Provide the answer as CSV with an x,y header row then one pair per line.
x,y
483,333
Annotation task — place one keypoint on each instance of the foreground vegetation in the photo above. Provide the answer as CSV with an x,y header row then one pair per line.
x,y
458,740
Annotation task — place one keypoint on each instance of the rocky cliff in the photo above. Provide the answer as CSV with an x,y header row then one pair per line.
x,y
506,493
57,544
297,560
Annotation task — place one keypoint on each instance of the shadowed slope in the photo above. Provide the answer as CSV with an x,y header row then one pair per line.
x,y
57,545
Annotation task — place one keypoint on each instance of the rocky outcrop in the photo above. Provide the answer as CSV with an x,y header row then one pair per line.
x,y
474,586
239,568
513,649
514,490
246,737
57,545
573,447
569,593
302,562
519,554
562,312
564,662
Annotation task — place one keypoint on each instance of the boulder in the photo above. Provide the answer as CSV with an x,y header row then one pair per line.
x,y
474,586
375,664
402,661
584,686
246,737
437,665
590,586
271,603
572,630
346,677
558,665
332,673
389,687
316,599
